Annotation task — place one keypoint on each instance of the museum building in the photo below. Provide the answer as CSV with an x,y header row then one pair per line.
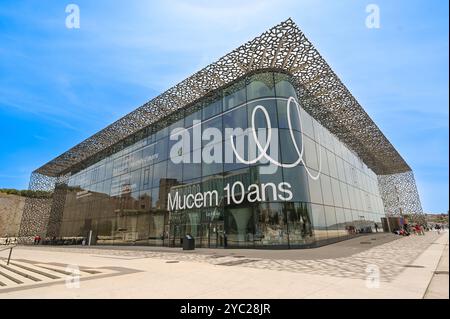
x,y
265,148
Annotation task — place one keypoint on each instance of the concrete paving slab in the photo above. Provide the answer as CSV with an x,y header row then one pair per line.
x,y
158,274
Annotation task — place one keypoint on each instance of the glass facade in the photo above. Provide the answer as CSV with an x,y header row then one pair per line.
x,y
125,198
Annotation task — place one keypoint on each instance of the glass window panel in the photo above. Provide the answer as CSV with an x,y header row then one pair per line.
x,y
336,192
145,200
193,170
147,176
330,141
351,193
332,164
151,139
364,183
326,190
236,118
159,173
161,149
299,223
195,138
324,160
340,168
214,130
288,152
125,184
283,117
297,178
349,222
162,132
240,226
319,222
135,160
283,87
359,201
118,168
149,156
348,173
337,147
310,153
214,183
234,95
231,162
193,114
260,85
367,205
318,133
115,186
334,143
345,196
268,183
307,124
212,168
260,119
212,109
135,180
330,217
101,173
175,170
272,224
155,198
315,189
192,226
179,121
341,221
106,188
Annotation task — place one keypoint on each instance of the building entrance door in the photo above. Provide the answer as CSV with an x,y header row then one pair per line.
x,y
176,234
216,235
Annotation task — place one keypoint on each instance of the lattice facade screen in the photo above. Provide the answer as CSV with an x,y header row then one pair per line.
x,y
280,56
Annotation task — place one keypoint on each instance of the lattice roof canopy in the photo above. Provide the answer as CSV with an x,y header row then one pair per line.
x,y
284,48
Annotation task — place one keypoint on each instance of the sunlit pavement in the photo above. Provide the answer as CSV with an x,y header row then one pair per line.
x,y
372,266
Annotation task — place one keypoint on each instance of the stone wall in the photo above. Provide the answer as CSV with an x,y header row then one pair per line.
x,y
11,209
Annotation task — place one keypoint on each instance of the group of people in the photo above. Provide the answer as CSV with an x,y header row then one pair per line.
x,y
37,240
406,230
418,230
438,228
9,240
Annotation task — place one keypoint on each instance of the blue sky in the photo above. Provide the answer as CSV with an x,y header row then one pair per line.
x,y
59,86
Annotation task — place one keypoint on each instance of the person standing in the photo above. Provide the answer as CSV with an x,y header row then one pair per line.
x,y
225,239
376,227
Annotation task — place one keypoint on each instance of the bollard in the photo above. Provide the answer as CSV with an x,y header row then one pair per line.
x,y
9,257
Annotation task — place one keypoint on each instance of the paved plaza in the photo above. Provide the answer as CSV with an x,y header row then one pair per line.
x,y
370,266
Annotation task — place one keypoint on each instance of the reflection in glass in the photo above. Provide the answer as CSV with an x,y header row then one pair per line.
x,y
234,95
122,198
260,85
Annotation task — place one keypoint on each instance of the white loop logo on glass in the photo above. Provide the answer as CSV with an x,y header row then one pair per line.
x,y
220,139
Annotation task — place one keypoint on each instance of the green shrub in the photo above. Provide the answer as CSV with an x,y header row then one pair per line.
x,y
26,193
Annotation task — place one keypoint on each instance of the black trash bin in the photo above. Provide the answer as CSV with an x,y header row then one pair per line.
x,y
188,242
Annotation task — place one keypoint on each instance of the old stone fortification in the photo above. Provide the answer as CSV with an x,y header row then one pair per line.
x,y
11,208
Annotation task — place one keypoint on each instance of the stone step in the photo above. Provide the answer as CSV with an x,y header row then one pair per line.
x,y
35,270
11,276
62,271
8,279
21,273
